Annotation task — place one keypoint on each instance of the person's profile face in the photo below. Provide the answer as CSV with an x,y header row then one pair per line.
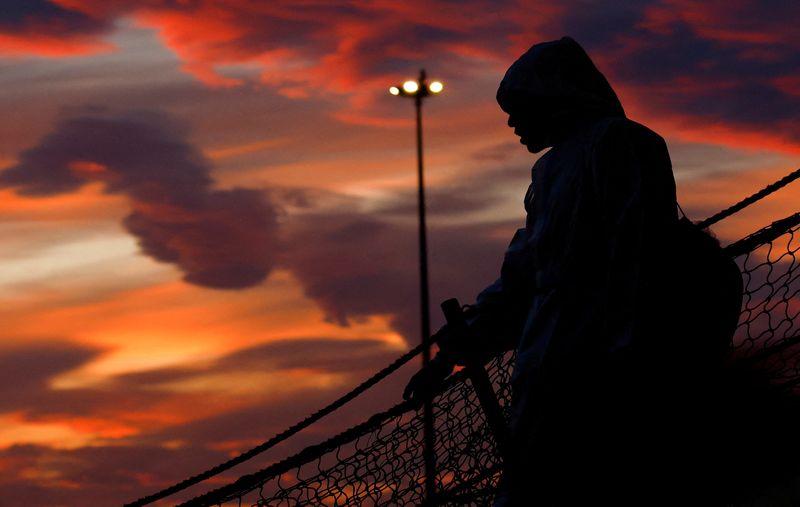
x,y
529,118
531,130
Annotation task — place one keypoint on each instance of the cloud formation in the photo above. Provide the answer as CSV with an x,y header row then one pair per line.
x,y
224,239
721,71
357,266
25,371
44,28
306,49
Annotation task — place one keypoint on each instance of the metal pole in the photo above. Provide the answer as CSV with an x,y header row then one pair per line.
x,y
428,452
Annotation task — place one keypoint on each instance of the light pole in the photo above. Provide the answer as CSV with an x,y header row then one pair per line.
x,y
418,90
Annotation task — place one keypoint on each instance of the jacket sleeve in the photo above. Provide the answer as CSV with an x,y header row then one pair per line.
x,y
498,315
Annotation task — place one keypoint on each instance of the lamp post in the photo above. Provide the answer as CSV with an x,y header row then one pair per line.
x,y
418,90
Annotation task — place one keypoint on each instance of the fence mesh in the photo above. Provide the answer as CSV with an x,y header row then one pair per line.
x,y
768,326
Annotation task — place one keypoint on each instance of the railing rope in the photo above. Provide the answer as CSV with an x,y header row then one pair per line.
x,y
750,200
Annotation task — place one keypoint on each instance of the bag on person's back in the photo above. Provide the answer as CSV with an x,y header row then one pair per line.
x,y
709,290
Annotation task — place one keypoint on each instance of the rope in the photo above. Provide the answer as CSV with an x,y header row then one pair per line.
x,y
763,236
750,200
290,431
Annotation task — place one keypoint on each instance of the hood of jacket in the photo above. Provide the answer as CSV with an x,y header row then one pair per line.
x,y
559,80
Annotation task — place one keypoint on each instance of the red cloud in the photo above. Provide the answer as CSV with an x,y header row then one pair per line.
x,y
303,49
670,55
727,21
721,72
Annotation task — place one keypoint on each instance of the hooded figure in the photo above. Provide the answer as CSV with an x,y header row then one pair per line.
x,y
579,293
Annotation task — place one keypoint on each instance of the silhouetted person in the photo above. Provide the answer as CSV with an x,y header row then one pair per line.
x,y
584,297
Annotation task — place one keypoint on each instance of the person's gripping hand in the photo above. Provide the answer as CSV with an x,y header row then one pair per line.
x,y
428,381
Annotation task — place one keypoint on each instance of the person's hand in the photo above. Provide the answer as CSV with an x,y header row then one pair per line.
x,y
428,381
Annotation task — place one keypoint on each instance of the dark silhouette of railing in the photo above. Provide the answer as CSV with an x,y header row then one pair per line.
x,y
381,462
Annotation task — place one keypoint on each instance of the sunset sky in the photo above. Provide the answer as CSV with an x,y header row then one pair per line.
x,y
208,207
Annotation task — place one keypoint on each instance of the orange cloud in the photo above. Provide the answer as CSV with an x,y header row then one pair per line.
x,y
688,130
174,323
53,47
87,204
705,196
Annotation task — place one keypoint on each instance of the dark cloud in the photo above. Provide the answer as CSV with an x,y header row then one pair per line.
x,y
355,265
596,23
107,475
26,374
707,63
477,191
271,412
46,28
225,239
29,15
358,266
318,354
26,369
